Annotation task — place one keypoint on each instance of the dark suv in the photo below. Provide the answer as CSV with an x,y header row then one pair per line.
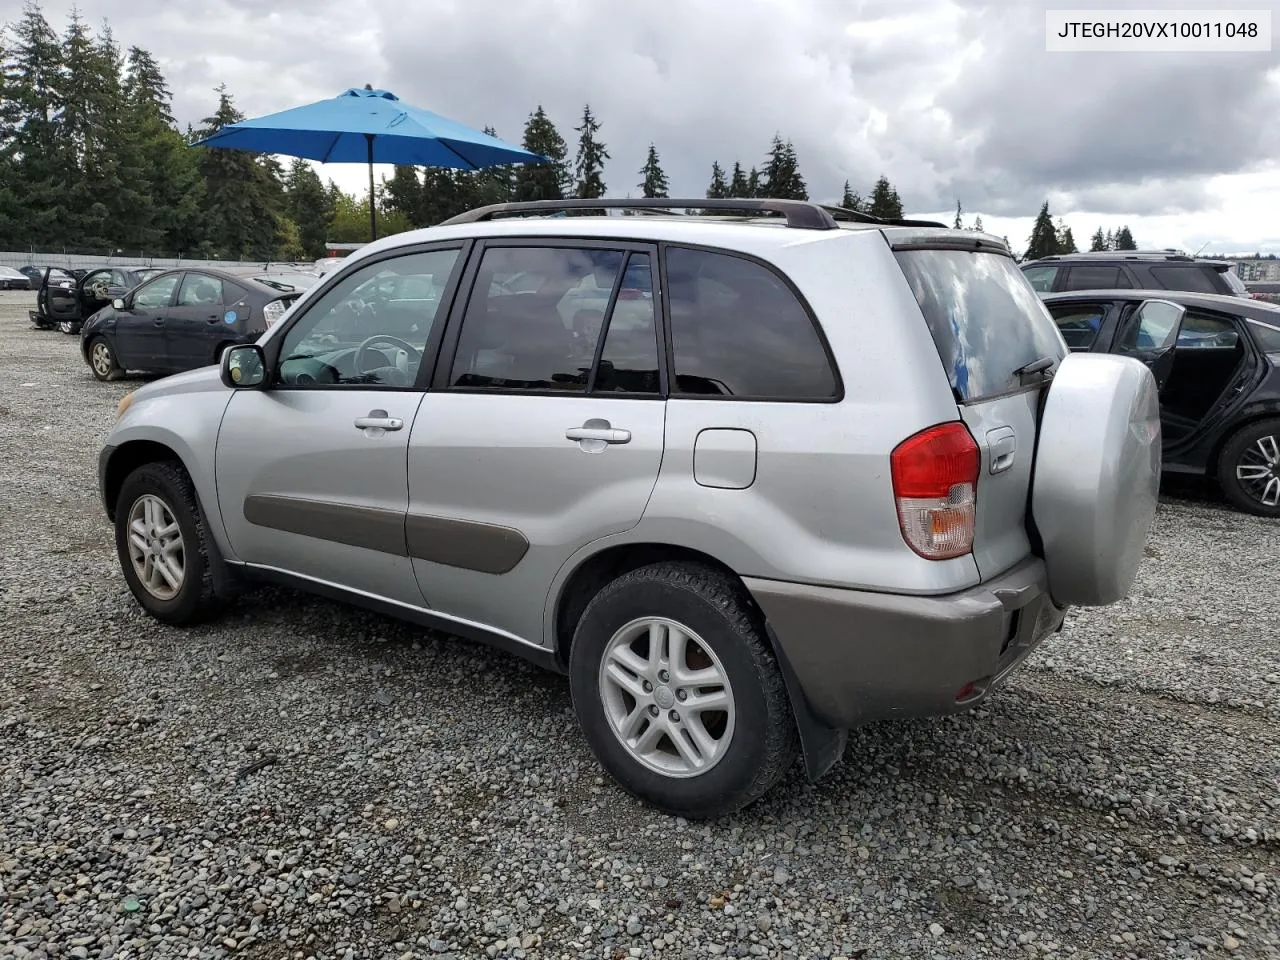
x,y
1132,270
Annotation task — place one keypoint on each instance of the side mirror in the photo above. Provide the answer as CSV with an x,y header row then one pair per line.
x,y
118,303
244,367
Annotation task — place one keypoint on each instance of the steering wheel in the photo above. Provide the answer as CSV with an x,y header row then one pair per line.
x,y
363,350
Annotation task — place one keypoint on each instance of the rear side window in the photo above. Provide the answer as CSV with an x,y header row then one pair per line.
x,y
1079,323
1191,278
986,320
1040,278
1097,278
1268,337
737,330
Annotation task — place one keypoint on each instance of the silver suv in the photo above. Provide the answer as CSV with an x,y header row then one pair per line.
x,y
749,482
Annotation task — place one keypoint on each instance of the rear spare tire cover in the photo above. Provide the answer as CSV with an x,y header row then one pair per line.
x,y
1097,476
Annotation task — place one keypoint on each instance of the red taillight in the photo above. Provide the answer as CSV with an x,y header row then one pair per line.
x,y
935,484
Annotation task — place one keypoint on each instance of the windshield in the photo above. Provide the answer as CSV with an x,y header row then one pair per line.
x,y
985,318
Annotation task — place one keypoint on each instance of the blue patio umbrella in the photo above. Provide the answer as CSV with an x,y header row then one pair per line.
x,y
369,126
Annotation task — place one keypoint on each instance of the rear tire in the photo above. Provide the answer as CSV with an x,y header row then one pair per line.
x,y
163,544
69,327
102,360
1249,468
733,748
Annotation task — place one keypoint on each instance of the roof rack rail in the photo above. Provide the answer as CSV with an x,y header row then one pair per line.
x,y
800,214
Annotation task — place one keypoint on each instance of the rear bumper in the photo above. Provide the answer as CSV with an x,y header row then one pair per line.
x,y
861,656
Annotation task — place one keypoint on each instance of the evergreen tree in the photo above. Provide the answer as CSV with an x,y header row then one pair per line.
x,y
1066,242
1109,241
781,175
29,111
494,184
850,199
753,183
1098,242
403,193
977,224
591,157
307,206
739,187
654,184
1124,239
240,200
542,181
719,187
885,202
1044,238
959,224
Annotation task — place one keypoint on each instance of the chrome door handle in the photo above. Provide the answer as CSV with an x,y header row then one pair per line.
x,y
378,420
603,434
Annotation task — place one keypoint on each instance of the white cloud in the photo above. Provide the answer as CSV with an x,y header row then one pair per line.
x,y
949,98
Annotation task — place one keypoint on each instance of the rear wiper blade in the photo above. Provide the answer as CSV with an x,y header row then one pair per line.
x,y
1040,367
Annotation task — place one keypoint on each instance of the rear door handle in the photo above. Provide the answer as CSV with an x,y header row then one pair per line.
x,y
378,420
605,434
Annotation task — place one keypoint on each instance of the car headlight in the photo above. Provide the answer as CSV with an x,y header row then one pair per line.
x,y
273,311
125,403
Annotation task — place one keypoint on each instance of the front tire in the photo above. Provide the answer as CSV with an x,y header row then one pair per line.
x,y
102,360
163,544
1249,468
678,692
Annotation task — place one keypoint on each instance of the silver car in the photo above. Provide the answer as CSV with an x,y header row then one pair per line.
x,y
749,482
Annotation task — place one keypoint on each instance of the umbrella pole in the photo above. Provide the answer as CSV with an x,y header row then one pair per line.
x,y
373,212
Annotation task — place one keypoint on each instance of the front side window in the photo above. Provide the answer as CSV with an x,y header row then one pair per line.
x,y
200,290
1148,328
157,293
364,331
737,330
560,320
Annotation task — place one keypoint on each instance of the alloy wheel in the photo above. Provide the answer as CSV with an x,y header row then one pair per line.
x,y
667,697
101,359
156,547
1258,470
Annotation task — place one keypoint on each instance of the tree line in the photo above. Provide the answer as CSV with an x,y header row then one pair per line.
x,y
92,159
1051,238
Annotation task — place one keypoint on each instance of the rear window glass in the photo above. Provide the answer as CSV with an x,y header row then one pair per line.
x,y
1191,278
985,318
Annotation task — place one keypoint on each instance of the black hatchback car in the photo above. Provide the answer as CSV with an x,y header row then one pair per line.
x,y
1141,270
1218,368
180,320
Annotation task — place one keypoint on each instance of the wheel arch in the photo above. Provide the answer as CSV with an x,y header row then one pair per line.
x,y
820,745
125,459
1269,411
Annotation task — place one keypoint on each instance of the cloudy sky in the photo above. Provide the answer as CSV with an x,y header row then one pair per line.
x,y
952,99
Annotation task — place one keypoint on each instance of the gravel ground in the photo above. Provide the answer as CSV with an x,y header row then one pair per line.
x,y
306,780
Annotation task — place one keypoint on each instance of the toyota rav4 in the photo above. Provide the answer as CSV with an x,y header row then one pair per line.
x,y
750,481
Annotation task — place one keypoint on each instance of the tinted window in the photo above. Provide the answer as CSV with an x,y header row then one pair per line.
x,y
1078,323
1041,278
200,290
535,317
1268,337
157,293
737,330
354,334
1096,278
985,318
1202,330
1190,277
629,356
